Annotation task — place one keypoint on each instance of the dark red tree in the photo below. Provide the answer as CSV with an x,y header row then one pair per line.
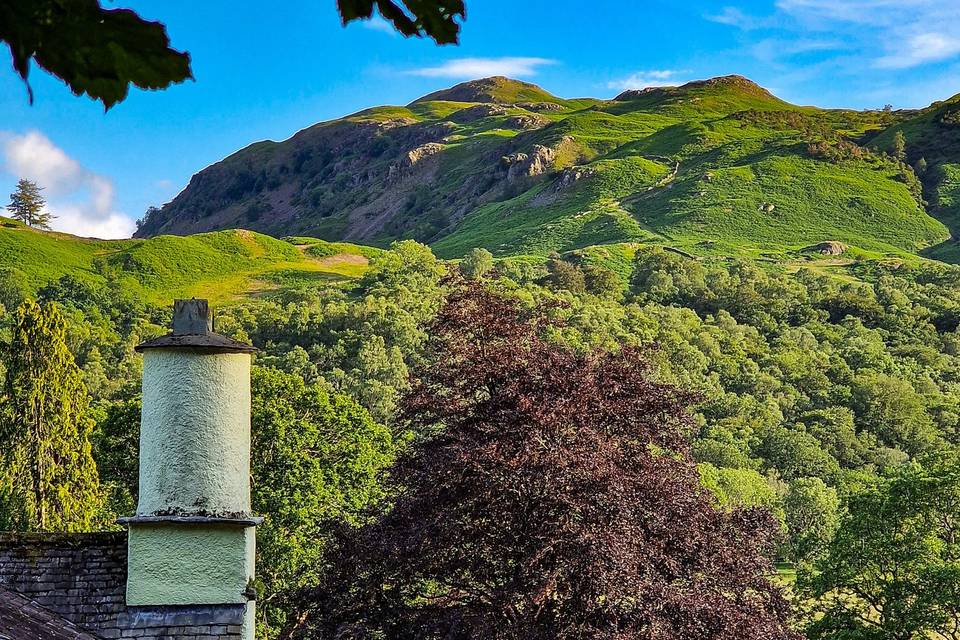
x,y
549,495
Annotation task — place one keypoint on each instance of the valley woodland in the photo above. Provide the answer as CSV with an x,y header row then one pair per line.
x,y
616,442
547,494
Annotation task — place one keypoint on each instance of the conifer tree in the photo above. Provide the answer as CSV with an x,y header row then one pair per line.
x,y
48,479
27,205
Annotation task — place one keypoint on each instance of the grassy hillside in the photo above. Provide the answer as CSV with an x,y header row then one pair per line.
x,y
221,266
933,146
719,167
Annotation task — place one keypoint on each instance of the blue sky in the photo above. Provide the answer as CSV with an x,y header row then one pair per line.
x,y
266,70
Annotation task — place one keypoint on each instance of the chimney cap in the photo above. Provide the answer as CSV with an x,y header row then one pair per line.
x,y
193,329
192,317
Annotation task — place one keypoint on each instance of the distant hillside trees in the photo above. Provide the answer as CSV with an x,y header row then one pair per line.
x,y
548,495
150,215
48,479
900,146
838,150
565,275
28,206
476,264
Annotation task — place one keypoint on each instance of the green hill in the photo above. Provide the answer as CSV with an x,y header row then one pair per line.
x,y
933,135
221,265
719,166
496,89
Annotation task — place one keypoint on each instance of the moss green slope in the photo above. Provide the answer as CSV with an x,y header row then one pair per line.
x,y
719,166
221,266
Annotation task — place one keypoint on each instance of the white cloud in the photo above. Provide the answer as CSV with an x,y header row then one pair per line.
x,y
921,49
81,200
376,23
643,79
868,12
852,35
33,156
734,17
468,68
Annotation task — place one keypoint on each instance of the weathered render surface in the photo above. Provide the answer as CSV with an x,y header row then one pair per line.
x,y
195,433
173,564
192,541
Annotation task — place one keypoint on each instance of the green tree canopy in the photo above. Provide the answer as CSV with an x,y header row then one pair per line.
x,y
316,461
547,495
891,570
476,264
49,479
563,275
812,516
900,146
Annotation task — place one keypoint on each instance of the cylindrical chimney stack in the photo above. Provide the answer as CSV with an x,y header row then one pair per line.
x,y
192,539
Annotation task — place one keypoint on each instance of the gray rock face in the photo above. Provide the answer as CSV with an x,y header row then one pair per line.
x,y
522,165
540,106
527,121
477,112
828,248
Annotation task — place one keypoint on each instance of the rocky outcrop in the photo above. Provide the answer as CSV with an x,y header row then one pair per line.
x,y
540,106
423,151
538,161
393,123
572,175
827,248
523,165
477,112
527,122
411,159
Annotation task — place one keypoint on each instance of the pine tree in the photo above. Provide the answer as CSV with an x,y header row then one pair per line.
x,y
27,205
48,479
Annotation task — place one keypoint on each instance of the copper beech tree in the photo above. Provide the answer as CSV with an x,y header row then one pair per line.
x,y
547,495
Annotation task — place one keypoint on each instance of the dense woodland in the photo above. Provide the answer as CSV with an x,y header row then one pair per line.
x,y
829,401
621,442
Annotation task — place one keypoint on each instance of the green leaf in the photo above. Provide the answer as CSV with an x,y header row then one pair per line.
x,y
95,51
434,18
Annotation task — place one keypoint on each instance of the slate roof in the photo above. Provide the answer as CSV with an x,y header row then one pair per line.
x,y
22,619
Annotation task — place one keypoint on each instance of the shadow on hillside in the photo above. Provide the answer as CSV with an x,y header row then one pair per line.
x,y
946,251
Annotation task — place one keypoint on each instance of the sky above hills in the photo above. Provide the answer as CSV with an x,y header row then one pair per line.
x,y
266,70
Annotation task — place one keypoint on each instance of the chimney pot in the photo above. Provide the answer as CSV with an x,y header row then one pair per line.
x,y
192,317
